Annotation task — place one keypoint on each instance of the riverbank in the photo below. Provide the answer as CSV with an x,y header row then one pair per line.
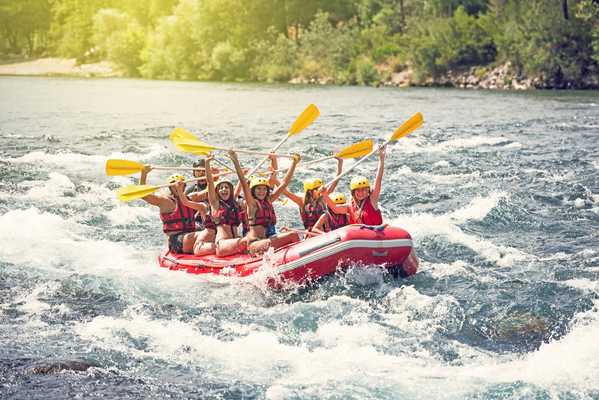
x,y
502,77
60,67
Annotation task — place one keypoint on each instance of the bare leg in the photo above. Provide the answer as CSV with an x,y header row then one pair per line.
x,y
204,248
283,239
188,242
259,246
227,247
204,243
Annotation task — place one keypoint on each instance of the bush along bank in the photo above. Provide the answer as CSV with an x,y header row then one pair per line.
x,y
497,44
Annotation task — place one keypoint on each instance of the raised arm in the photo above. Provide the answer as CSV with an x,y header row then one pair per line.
x,y
333,185
247,194
337,209
212,197
294,197
201,207
319,225
376,191
274,166
287,179
164,203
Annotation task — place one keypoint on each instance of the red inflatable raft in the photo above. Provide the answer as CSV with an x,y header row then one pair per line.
x,y
312,258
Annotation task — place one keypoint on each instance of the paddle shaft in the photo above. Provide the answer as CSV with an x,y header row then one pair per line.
x,y
201,178
318,160
253,170
341,175
179,168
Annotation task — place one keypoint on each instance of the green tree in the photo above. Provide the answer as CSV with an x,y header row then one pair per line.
x,y
24,25
451,43
120,38
72,26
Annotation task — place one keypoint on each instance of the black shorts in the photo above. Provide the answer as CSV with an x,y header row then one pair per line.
x,y
175,243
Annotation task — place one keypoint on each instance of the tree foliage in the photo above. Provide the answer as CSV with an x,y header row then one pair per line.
x,y
341,41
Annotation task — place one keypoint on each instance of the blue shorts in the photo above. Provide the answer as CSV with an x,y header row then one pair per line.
x,y
270,231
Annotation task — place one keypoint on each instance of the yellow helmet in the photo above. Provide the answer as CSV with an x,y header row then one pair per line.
x,y
223,181
359,182
338,198
175,178
311,184
257,181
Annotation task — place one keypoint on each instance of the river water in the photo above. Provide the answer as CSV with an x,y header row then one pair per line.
x,y
500,191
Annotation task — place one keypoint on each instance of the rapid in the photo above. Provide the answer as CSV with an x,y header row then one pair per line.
x,y
499,190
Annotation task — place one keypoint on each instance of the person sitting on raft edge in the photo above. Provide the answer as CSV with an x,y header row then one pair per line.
x,y
364,206
178,220
260,211
329,221
224,216
312,205
245,227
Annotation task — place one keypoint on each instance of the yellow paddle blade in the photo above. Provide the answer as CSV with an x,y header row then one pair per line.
x,y
194,148
189,143
181,133
408,127
122,167
356,150
134,192
306,118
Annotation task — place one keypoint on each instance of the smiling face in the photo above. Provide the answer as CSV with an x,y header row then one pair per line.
x,y
224,191
260,192
180,186
361,194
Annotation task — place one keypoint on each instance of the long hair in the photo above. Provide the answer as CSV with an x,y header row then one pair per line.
x,y
231,200
253,192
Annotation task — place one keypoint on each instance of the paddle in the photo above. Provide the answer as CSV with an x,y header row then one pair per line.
x,y
116,167
191,144
356,150
302,122
134,192
405,129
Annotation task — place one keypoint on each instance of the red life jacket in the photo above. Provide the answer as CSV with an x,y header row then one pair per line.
x,y
227,214
243,215
364,213
336,221
208,220
180,220
311,212
265,214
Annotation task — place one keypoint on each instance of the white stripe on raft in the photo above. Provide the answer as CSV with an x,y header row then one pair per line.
x,y
350,244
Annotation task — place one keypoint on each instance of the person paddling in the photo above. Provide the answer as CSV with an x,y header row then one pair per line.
x,y
364,206
205,239
260,211
330,220
226,215
178,220
312,205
